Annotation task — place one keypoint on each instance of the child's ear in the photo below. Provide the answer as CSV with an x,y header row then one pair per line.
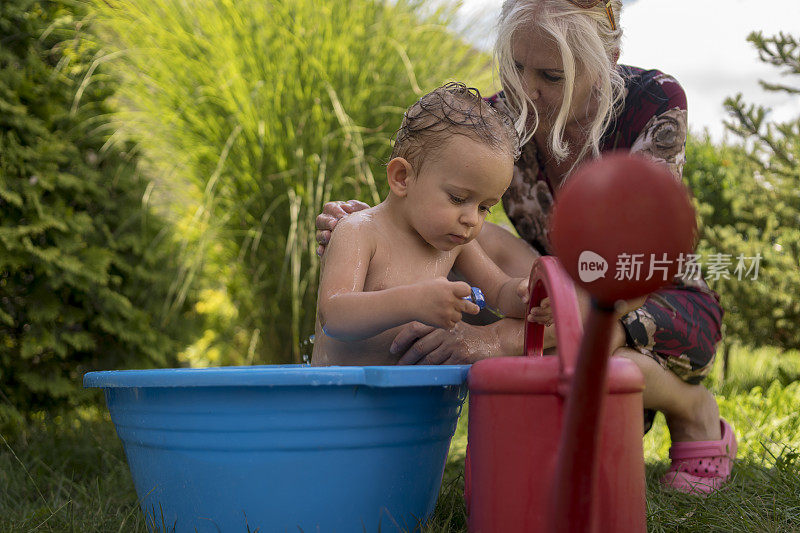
x,y
399,172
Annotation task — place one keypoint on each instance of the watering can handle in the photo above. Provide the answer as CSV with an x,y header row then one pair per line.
x,y
548,277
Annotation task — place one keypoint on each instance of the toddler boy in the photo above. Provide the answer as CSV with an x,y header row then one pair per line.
x,y
387,265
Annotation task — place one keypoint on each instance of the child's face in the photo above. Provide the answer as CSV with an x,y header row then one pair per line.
x,y
449,199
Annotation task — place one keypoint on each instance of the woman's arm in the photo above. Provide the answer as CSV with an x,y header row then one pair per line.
x,y
463,345
656,124
513,255
663,140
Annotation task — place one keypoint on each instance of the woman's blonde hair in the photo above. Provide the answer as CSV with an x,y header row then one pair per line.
x,y
586,41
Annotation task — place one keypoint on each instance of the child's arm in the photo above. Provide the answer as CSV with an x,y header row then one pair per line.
x,y
346,312
509,295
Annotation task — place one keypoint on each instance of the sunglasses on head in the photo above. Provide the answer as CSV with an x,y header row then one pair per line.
x,y
589,4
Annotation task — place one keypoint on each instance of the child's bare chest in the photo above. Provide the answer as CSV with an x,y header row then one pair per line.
x,y
393,266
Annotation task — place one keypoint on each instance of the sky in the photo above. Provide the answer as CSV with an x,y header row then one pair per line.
x,y
702,43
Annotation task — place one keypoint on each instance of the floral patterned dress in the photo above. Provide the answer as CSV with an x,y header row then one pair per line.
x,y
679,325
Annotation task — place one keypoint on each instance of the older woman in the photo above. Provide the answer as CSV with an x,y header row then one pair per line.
x,y
572,102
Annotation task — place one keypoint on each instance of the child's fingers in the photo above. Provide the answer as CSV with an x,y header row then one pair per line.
x,y
454,318
541,311
541,315
461,289
543,320
544,304
537,319
465,306
543,307
447,322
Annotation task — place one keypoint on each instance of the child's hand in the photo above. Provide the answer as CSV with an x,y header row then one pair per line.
x,y
441,302
542,314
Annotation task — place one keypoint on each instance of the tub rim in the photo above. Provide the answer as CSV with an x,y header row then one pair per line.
x,y
281,375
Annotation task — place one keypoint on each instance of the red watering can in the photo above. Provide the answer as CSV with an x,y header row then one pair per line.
x,y
555,443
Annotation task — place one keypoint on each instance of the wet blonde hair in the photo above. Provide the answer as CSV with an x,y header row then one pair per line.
x,y
586,42
452,109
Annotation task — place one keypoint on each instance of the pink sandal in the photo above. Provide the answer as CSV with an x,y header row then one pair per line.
x,y
701,467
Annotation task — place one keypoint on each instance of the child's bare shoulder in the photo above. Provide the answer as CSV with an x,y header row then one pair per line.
x,y
359,227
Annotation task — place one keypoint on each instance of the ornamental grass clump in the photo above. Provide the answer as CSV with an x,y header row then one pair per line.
x,y
252,115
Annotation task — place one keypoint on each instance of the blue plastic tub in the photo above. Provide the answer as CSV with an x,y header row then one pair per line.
x,y
286,448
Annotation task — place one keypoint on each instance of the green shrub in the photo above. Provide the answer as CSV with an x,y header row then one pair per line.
x,y
748,202
740,217
85,266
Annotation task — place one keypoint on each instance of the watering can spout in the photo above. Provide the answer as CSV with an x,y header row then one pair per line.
x,y
575,505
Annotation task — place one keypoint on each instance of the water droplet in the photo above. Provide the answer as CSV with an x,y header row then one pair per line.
x,y
306,347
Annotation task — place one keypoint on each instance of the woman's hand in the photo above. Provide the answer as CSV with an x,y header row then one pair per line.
x,y
332,212
464,344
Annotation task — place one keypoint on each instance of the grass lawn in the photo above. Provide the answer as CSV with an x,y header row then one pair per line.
x,y
71,475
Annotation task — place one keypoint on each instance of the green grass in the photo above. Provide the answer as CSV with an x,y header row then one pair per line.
x,y
69,473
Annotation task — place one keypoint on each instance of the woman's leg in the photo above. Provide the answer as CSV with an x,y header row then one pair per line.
x,y
671,339
690,410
